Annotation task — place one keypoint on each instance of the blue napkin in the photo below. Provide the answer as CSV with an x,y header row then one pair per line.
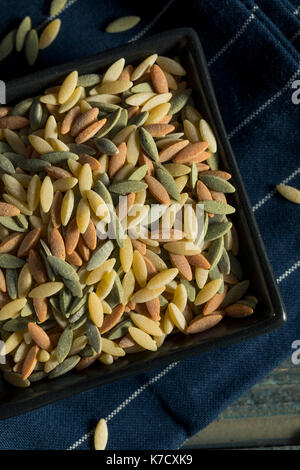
x,y
253,54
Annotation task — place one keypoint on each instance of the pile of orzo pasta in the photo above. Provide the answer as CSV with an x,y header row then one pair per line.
x,y
114,223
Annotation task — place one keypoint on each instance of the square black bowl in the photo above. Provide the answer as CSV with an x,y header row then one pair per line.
x,y
270,312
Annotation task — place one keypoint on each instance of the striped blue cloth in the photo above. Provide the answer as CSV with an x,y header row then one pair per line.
x,y
253,55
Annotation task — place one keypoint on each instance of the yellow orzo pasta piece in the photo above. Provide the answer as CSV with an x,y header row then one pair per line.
x,y
142,339
139,268
167,324
160,340
43,356
103,98
126,254
50,98
105,285
138,99
39,144
95,309
143,67
128,285
133,148
114,71
74,98
156,100
46,194
74,167
68,86
51,129
12,342
64,184
176,316
139,200
106,359
85,180
146,324
190,226
33,192
180,297
110,347
97,274
162,278
84,106
208,291
106,307
171,287
158,112
97,204
49,33
101,435
67,207
58,145
144,295
82,215
201,276
289,192
45,290
21,351
182,248
115,87
11,309
51,363
14,187
78,345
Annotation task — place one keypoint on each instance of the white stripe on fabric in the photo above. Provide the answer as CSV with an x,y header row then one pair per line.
x,y
235,37
296,11
126,402
50,18
273,192
265,105
152,23
288,272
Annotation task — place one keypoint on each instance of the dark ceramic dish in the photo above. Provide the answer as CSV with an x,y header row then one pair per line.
x,y
270,312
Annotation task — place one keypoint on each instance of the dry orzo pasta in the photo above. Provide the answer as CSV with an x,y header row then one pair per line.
x,y
114,222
